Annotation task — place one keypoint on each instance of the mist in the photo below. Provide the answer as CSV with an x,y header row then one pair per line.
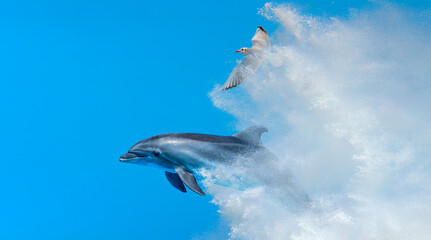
x,y
347,104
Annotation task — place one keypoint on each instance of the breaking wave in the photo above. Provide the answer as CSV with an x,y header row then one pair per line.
x,y
347,102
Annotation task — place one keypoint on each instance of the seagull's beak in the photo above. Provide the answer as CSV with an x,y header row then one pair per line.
x,y
237,51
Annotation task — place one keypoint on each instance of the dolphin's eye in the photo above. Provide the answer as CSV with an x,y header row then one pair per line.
x,y
156,153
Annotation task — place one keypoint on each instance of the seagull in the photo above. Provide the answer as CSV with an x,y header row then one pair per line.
x,y
254,57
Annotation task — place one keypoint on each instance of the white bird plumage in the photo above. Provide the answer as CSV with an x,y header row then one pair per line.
x,y
254,58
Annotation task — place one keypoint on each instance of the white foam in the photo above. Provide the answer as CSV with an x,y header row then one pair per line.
x,y
347,103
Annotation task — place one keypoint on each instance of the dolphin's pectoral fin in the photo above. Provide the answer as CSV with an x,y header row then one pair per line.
x,y
189,180
175,181
252,134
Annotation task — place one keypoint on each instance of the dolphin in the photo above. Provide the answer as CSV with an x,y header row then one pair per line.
x,y
181,154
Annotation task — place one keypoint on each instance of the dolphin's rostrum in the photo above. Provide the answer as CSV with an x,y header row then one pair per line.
x,y
181,154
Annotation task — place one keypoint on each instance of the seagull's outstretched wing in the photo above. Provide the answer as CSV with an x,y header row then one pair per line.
x,y
242,71
260,38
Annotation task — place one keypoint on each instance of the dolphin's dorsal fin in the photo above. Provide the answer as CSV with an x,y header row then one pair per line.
x,y
252,134
189,180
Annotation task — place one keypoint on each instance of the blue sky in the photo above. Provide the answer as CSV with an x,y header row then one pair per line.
x,y
82,82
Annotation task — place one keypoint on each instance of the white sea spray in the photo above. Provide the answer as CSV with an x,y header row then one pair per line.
x,y
347,105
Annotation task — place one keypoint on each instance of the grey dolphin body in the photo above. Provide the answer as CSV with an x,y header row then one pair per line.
x,y
181,154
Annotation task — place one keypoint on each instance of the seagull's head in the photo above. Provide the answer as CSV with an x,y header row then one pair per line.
x,y
244,51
